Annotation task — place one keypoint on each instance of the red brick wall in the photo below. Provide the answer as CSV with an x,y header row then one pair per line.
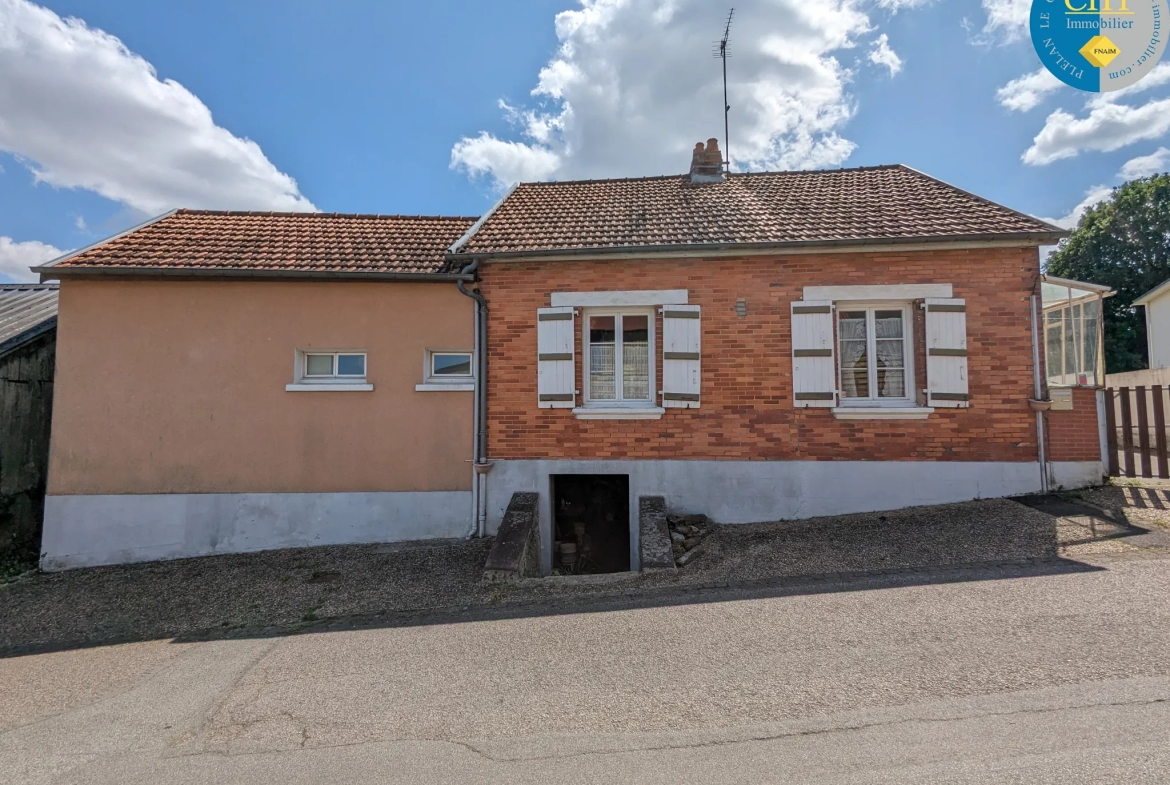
x,y
747,411
1073,435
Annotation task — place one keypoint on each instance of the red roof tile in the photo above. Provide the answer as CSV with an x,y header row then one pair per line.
x,y
892,203
252,242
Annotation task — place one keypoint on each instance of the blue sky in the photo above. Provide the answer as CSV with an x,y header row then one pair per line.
x,y
432,108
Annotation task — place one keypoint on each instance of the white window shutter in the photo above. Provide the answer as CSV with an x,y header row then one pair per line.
x,y
556,380
946,353
681,373
814,364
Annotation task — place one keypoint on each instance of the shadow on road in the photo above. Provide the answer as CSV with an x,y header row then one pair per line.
x,y
313,590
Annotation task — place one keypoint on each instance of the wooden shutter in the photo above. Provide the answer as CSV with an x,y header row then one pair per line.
x,y
946,353
555,339
814,363
680,356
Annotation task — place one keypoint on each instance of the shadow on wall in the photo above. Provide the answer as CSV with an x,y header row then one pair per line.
x,y
26,405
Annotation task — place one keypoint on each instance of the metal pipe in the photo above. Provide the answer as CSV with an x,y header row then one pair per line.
x,y
479,430
1039,396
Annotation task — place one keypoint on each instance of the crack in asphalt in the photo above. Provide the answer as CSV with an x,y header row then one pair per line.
x,y
797,734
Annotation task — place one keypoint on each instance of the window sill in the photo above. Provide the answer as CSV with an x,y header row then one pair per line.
x,y
327,387
882,413
437,387
619,413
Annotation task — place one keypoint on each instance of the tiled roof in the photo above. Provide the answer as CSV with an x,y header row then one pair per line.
x,y
892,203
253,242
24,307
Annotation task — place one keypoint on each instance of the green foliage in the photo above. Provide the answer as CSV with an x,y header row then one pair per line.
x,y
1123,243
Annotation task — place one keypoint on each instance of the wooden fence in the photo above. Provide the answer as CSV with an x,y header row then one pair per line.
x,y
1135,420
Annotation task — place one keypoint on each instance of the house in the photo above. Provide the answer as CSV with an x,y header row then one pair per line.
x,y
233,381
28,326
1157,305
762,346
748,346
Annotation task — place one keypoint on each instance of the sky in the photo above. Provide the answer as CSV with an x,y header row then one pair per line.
x,y
114,111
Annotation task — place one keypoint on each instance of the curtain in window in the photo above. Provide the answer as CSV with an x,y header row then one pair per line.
x,y
602,354
635,357
854,362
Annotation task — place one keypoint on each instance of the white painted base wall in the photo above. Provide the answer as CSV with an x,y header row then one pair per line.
x,y
86,531
1079,474
753,491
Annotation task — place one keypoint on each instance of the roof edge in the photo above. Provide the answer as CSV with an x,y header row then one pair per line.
x,y
240,273
1153,294
1025,238
457,246
1053,227
28,336
39,269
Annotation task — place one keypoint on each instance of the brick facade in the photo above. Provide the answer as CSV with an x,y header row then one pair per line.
x,y
747,411
1073,435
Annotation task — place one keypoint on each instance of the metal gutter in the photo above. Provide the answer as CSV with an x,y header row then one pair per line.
x,y
463,240
1101,289
479,462
1006,239
50,273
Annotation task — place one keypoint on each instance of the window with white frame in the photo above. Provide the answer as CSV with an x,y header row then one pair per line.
x,y
332,367
619,362
876,358
449,366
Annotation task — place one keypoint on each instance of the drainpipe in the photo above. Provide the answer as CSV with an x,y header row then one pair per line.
x,y
1039,396
479,416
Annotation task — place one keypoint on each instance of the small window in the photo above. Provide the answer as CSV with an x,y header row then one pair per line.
x,y
875,356
450,365
326,366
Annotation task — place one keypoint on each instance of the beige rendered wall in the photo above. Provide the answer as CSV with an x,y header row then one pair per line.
x,y
179,387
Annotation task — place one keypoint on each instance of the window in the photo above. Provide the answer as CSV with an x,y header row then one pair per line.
x,y
450,365
447,370
876,360
324,371
619,364
334,365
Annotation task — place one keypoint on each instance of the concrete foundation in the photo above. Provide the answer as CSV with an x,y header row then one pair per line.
x,y
86,531
753,491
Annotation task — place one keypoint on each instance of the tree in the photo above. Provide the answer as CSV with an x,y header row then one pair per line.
x,y
1123,243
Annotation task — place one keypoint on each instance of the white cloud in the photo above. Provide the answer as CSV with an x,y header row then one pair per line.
x,y
16,258
881,54
1108,127
1093,197
1028,91
85,112
1146,165
607,104
1007,20
897,5
1134,167
1158,76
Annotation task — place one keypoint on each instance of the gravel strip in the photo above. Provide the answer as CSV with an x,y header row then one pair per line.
x,y
285,591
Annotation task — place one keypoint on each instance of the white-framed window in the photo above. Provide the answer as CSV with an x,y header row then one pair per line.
x,y
447,370
618,348
875,351
453,366
324,369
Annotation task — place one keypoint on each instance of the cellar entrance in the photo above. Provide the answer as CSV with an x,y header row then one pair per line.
x,y
591,523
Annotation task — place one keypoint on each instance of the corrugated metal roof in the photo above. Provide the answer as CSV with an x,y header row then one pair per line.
x,y
24,307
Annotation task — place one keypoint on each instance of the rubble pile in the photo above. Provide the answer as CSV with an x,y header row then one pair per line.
x,y
687,533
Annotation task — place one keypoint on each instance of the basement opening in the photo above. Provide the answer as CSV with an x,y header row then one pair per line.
x,y
591,523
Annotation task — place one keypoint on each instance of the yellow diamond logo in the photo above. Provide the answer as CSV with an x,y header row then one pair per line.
x,y
1100,51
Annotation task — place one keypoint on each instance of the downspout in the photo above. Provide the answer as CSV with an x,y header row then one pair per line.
x,y
1039,396
479,410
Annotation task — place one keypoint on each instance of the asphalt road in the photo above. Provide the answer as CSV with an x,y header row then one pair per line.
x,y
1052,678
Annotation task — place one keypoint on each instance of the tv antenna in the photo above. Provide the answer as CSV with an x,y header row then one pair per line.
x,y
722,53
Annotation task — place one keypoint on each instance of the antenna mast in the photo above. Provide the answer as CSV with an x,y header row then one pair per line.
x,y
722,54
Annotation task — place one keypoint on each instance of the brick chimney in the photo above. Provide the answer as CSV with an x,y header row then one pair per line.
x,y
707,163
